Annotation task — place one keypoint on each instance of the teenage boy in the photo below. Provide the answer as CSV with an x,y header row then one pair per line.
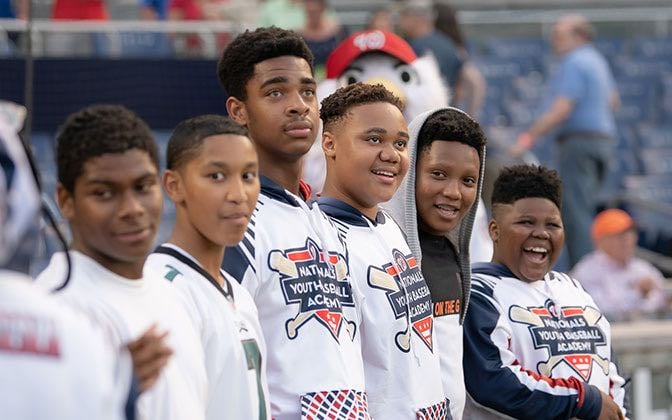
x,y
211,176
108,190
291,259
434,206
55,364
365,140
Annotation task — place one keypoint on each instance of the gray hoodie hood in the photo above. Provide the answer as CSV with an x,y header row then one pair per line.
x,y
403,209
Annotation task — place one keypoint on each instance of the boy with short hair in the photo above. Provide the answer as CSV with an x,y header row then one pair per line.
x,y
291,259
365,141
211,176
50,355
108,190
435,208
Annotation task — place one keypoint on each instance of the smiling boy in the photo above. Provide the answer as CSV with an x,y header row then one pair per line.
x,y
365,144
291,259
435,207
211,177
108,190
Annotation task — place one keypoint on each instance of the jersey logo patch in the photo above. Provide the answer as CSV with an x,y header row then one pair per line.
x,y
570,336
28,335
318,282
406,290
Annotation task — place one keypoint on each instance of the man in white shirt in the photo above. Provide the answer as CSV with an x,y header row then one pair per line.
x,y
108,190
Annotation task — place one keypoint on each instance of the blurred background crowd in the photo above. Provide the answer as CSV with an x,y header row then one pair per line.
x,y
157,57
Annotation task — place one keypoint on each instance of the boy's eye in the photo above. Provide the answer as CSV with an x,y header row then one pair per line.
x,y
249,176
274,93
373,139
470,181
217,176
309,92
146,185
400,144
103,194
438,174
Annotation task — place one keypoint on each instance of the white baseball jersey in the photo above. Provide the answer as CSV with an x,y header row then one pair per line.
x,y
227,321
401,361
535,350
293,264
129,307
55,363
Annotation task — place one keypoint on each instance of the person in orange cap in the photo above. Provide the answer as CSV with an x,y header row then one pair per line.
x,y
623,286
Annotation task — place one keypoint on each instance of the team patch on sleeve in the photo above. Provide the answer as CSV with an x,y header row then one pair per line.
x,y
346,404
436,412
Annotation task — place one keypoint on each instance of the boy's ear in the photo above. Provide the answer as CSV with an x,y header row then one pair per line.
x,y
236,110
65,201
328,144
172,184
493,230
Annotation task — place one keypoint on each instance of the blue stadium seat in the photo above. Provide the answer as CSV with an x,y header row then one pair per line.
x,y
657,161
651,136
652,47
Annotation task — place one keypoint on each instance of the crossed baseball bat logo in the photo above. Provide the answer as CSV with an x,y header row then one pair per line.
x,y
591,315
383,280
279,262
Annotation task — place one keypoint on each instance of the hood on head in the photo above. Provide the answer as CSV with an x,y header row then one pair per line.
x,y
403,209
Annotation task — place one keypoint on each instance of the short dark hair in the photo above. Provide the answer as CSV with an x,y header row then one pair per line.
x,y
527,181
451,124
97,130
188,136
336,106
236,65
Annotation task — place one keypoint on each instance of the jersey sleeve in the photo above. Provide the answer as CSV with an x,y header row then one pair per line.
x,y
495,379
241,261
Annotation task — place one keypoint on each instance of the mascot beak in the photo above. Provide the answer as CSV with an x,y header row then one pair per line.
x,y
389,85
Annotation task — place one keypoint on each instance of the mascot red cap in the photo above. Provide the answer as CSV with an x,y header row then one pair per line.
x,y
369,41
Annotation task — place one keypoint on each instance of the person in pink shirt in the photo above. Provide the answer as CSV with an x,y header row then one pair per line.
x,y
624,286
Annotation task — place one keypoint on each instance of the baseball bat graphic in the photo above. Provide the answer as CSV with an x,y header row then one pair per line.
x,y
591,315
519,314
602,362
350,328
546,367
293,324
379,278
341,269
283,264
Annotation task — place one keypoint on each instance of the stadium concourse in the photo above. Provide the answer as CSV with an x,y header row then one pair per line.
x,y
146,67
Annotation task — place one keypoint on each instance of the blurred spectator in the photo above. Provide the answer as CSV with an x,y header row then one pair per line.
x,y
154,9
321,32
381,19
583,97
80,10
189,44
11,9
624,286
285,14
186,10
470,88
416,22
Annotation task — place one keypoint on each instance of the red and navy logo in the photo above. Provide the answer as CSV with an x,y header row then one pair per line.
x,y
318,282
408,295
570,334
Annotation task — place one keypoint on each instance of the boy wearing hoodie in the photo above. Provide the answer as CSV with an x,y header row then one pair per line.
x,y
434,206
365,141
